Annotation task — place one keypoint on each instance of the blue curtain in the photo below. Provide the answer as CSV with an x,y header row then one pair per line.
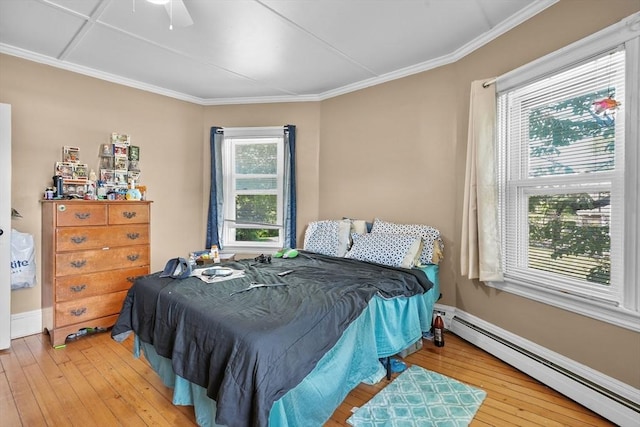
x,y
216,196
290,186
215,216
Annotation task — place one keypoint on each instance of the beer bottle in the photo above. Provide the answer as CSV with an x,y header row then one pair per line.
x,y
438,331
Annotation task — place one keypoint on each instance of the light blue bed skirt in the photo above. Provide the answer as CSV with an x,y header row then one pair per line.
x,y
384,328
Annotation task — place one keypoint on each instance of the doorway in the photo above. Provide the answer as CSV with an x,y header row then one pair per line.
x,y
5,226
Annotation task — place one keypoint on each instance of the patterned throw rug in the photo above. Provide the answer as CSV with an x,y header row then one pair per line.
x,y
418,397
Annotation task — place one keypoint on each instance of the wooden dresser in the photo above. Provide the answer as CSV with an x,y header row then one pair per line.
x,y
91,253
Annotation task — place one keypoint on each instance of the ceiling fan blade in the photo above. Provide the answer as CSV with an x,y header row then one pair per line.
x,y
181,16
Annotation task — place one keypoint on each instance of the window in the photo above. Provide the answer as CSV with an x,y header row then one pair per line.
x,y
568,160
253,182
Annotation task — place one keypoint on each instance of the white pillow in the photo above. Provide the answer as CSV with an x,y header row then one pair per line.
x,y
429,235
328,237
395,250
358,226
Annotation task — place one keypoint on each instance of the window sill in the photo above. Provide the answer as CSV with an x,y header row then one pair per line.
x,y
598,310
250,250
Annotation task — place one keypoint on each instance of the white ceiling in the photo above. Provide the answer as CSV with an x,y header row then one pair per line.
x,y
248,51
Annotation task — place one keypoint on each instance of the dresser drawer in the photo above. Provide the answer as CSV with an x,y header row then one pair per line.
x,y
87,285
75,311
79,214
91,261
81,238
125,235
129,213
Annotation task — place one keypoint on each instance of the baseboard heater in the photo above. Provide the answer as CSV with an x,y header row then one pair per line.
x,y
627,410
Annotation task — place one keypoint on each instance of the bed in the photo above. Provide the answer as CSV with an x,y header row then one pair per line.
x,y
264,356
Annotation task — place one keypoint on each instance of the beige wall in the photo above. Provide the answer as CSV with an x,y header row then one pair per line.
x,y
602,346
394,151
52,108
397,151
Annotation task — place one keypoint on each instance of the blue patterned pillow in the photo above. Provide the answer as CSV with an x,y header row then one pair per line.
x,y
395,250
429,235
328,237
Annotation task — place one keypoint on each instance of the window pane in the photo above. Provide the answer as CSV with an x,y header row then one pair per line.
x,y
567,137
571,118
257,183
257,208
569,235
256,235
256,159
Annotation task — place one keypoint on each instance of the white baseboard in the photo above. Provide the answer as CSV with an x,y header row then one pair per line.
x,y
607,396
26,323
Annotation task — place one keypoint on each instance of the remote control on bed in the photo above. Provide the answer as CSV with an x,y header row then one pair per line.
x,y
284,273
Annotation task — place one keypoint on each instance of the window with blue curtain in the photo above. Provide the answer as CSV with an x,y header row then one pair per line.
x,y
252,204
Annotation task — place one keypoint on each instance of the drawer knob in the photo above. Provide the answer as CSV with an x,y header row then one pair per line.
x,y
78,264
79,239
78,311
133,257
133,236
83,215
78,288
128,214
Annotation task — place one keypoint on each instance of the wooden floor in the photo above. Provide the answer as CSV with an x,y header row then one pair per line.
x,y
96,381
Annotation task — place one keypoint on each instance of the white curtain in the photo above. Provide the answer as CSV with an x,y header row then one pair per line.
x,y
480,256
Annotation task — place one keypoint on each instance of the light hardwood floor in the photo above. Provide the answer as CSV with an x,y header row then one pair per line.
x,y
96,381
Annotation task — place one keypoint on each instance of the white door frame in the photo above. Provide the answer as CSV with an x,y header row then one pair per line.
x,y
5,226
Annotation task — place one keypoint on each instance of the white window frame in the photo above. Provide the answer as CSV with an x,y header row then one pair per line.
x,y
237,136
626,311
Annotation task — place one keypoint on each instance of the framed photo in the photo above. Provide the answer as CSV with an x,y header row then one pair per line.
x,y
120,163
107,175
64,169
120,177
120,150
134,153
106,162
80,171
120,138
70,154
106,150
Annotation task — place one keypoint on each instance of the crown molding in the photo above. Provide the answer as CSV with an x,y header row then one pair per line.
x,y
515,20
91,72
